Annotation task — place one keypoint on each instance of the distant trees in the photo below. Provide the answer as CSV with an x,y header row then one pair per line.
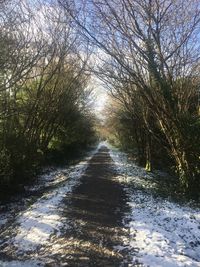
x,y
43,86
152,67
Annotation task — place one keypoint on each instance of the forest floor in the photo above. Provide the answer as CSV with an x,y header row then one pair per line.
x,y
99,212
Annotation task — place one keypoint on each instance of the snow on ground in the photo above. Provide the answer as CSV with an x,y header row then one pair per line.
x,y
39,221
43,218
166,234
162,232
3,220
31,263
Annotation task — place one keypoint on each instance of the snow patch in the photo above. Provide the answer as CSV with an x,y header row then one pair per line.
x,y
20,264
43,218
164,233
3,221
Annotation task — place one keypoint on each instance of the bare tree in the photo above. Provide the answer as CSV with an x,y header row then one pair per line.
x,y
43,83
155,42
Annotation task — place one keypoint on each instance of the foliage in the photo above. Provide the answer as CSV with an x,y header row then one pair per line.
x,y
44,89
151,67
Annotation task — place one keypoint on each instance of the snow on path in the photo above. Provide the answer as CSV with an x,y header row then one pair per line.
x,y
32,263
43,218
166,234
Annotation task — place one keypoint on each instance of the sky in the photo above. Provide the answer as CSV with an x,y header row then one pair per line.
x,y
96,57
100,94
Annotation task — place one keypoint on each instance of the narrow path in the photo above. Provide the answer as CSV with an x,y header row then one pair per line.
x,y
101,212
79,223
95,210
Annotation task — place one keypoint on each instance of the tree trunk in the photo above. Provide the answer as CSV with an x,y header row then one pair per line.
x,y
148,166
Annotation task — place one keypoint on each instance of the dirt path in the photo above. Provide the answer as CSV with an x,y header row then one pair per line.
x,y
91,232
95,211
100,212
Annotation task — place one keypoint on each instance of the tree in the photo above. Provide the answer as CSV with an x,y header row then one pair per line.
x,y
154,43
43,86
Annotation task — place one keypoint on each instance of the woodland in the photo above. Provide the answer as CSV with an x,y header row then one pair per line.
x,y
145,53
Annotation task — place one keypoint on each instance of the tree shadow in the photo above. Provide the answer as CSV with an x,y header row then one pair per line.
x,y
94,213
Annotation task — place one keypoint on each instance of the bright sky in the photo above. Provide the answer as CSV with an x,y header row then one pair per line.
x,y
96,60
100,96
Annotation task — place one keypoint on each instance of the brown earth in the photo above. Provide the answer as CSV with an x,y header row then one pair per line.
x,y
94,232
94,210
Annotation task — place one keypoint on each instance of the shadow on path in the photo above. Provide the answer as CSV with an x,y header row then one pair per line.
x,y
94,212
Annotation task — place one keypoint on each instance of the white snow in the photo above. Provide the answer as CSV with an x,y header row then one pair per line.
x,y
31,263
3,221
43,218
165,233
162,233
